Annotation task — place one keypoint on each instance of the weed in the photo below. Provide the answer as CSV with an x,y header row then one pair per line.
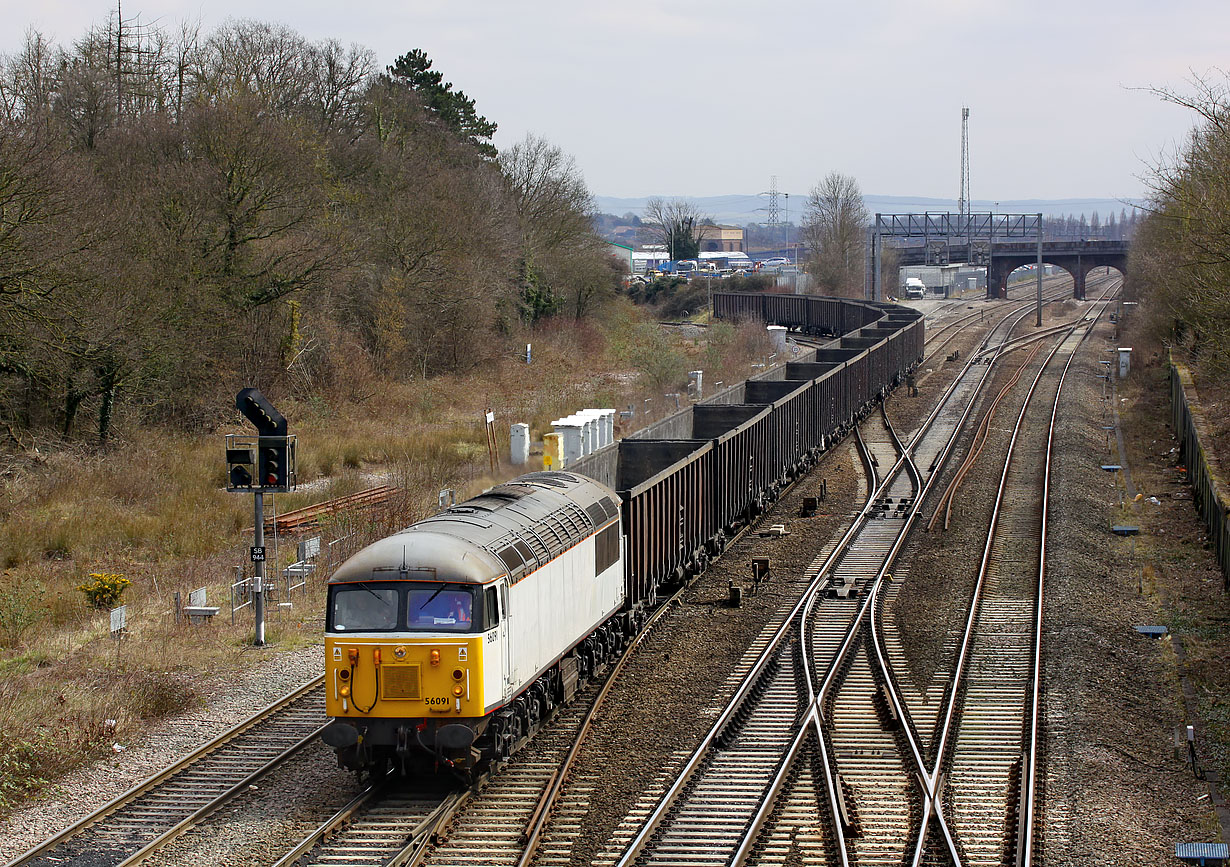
x,y
21,607
19,760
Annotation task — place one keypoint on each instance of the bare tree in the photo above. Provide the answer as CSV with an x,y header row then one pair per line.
x,y
552,202
1181,253
835,229
677,224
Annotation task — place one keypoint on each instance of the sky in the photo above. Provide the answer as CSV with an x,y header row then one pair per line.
x,y
686,98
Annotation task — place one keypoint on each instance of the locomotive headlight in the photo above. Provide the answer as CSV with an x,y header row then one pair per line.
x,y
458,690
343,691
434,656
458,674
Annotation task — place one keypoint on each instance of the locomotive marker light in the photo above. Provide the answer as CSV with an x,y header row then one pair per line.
x,y
258,465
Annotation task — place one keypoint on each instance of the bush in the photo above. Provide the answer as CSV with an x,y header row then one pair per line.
x,y
104,589
19,771
21,607
749,283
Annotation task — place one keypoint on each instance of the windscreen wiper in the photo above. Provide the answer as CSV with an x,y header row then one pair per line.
x,y
383,601
433,596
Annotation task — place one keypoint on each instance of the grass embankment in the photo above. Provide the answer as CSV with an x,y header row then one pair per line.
x,y
154,509
1177,572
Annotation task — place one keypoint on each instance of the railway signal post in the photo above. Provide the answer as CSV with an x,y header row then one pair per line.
x,y
258,465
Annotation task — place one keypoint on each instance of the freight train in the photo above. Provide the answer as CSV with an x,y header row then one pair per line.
x,y
449,643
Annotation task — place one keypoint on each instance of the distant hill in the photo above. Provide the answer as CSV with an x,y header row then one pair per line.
x,y
741,210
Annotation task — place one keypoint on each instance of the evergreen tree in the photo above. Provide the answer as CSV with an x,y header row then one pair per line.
x,y
452,107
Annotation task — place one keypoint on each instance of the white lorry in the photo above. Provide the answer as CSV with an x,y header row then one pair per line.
x,y
915,288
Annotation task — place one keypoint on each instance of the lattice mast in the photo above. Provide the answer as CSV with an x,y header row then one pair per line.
x,y
773,212
963,203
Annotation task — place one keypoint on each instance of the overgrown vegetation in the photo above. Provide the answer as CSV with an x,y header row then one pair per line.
x,y
246,207
1180,256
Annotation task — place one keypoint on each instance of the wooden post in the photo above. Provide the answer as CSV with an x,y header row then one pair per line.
x,y
491,442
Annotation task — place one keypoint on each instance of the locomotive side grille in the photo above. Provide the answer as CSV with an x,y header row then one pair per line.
x,y
399,681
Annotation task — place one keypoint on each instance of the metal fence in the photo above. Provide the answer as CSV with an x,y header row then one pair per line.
x,y
316,559
1208,490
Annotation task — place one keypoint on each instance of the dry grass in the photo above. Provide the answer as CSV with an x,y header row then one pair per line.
x,y
154,509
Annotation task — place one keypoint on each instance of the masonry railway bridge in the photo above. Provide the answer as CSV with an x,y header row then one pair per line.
x,y
1077,257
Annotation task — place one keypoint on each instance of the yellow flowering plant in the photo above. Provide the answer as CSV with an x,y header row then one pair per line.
x,y
104,589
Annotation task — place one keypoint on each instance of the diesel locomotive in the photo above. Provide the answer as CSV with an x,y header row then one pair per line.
x,y
448,643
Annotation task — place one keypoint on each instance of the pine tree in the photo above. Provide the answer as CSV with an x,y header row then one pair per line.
x,y
452,107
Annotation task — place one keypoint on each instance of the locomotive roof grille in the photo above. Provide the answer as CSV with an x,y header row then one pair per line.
x,y
518,526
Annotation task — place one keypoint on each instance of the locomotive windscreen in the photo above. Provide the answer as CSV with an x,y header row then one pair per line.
x,y
402,606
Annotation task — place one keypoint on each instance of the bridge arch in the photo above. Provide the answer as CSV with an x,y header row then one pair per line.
x,y
1078,258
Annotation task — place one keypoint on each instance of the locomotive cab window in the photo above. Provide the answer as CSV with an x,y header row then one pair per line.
x,y
491,609
440,608
363,607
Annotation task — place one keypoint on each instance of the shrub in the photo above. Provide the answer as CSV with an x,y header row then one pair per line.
x,y
21,606
19,770
104,589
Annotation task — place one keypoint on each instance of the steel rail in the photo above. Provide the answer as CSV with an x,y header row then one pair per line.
x,y
1028,805
962,656
898,704
204,811
538,821
981,436
415,850
147,785
813,720
770,651
556,784
887,674
330,825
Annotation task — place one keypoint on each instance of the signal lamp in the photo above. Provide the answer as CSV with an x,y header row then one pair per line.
x,y
240,477
270,467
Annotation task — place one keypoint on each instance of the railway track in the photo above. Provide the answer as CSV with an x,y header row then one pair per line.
x,y
137,823
309,517
985,746
758,759
705,815
723,809
963,831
